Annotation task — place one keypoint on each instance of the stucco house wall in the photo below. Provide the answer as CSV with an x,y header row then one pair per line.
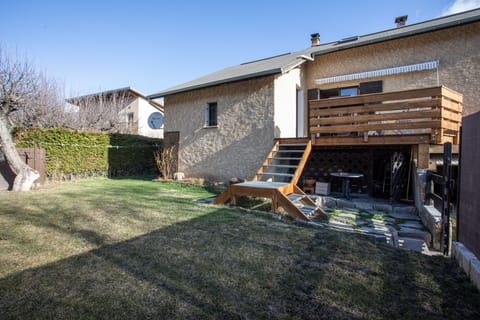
x,y
457,49
237,146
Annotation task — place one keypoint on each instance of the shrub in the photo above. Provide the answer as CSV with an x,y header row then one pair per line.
x,y
166,161
79,153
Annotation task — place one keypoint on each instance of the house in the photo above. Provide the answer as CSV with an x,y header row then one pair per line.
x,y
124,110
367,104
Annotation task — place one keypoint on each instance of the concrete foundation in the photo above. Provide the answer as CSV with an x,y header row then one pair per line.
x,y
467,261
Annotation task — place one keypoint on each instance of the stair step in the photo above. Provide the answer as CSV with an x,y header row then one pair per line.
x,y
284,158
275,174
295,197
290,151
308,210
280,166
293,145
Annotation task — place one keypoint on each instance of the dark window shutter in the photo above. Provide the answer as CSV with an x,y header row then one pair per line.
x,y
213,114
371,87
313,94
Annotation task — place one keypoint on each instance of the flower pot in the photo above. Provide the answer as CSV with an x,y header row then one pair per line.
x,y
310,182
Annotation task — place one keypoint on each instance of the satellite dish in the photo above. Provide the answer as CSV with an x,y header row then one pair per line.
x,y
155,120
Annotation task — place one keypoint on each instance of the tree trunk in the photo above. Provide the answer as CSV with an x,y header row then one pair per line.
x,y
25,175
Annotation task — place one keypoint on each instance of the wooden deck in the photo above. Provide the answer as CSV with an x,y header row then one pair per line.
x,y
277,180
418,116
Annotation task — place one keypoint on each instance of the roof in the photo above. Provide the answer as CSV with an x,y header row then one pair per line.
x,y
126,90
253,69
286,62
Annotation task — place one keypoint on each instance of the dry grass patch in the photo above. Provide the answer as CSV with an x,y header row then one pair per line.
x,y
125,249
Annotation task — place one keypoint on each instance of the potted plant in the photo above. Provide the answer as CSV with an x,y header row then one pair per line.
x,y
309,182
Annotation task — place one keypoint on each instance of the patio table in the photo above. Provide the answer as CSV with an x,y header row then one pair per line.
x,y
346,176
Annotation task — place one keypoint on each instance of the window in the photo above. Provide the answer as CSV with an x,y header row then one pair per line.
x,y
211,114
346,92
362,88
130,117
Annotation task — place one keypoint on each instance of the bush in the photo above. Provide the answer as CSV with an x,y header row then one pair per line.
x,y
166,161
79,153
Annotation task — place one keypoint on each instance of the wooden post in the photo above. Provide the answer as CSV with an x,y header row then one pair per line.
x,y
423,156
439,136
274,203
234,199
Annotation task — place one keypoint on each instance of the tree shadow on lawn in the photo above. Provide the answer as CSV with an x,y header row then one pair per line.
x,y
223,265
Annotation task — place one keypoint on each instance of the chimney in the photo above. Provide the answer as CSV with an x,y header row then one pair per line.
x,y
315,37
400,21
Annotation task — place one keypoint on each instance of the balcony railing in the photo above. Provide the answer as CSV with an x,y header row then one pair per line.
x,y
428,115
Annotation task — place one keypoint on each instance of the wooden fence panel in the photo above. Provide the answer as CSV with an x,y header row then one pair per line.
x,y
34,157
468,223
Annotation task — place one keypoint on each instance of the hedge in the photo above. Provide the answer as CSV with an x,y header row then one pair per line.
x,y
80,153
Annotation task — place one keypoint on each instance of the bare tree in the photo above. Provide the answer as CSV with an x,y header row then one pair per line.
x,y
47,110
25,97
105,111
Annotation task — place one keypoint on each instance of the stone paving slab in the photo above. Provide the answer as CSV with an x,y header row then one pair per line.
x,y
358,216
383,207
341,225
412,244
383,231
363,205
406,210
348,215
389,220
360,223
412,233
411,224
404,216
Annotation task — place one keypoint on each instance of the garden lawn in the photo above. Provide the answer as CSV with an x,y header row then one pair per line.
x,y
133,248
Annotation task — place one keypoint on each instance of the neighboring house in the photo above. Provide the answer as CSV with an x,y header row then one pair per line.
x,y
225,123
123,110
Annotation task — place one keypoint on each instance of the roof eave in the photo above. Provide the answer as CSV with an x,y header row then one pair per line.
x,y
168,92
404,34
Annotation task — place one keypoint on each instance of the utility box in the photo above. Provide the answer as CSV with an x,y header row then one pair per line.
x,y
322,188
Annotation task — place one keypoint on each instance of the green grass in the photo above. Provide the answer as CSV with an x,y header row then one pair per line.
x,y
132,248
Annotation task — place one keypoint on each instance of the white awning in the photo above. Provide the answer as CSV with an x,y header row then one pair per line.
x,y
430,65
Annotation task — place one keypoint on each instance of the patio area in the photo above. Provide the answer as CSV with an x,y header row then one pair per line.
x,y
394,223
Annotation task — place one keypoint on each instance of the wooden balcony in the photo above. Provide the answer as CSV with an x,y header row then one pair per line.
x,y
419,116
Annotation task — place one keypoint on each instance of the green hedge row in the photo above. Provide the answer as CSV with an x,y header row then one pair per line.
x,y
79,153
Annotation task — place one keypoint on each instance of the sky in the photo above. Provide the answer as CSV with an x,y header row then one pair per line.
x,y
94,45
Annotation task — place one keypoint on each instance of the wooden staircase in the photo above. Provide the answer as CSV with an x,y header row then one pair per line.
x,y
277,179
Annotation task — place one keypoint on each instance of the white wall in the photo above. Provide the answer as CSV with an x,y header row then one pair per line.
x,y
144,111
132,107
285,102
141,111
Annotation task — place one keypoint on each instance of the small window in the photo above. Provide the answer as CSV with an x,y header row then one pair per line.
x,y
347,92
211,114
130,118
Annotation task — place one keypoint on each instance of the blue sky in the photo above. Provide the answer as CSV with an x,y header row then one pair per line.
x,y
152,45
